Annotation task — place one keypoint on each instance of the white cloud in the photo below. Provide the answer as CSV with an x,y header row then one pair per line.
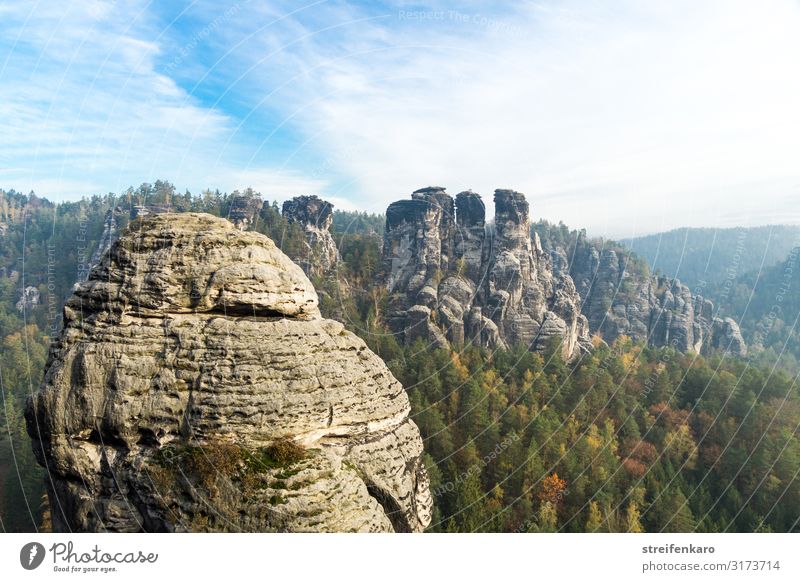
x,y
621,117
612,116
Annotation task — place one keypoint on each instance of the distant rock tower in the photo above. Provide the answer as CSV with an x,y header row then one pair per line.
x,y
315,215
244,209
619,299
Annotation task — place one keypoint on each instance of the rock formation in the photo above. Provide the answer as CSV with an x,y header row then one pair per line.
x,y
452,280
727,337
315,216
619,296
29,299
244,210
196,387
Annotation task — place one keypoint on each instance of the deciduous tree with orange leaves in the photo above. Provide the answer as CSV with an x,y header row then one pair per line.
x,y
554,488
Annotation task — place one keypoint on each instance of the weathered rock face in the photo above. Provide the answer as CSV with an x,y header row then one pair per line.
x,y
196,387
470,234
727,337
244,209
452,280
617,300
315,216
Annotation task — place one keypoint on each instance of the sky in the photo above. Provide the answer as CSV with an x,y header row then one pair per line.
x,y
622,117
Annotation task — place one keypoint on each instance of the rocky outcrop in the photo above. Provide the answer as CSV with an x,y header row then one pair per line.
x,y
29,299
727,337
244,210
453,280
315,216
470,234
196,387
620,297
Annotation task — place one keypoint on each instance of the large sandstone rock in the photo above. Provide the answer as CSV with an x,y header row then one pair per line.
x,y
451,279
196,387
315,216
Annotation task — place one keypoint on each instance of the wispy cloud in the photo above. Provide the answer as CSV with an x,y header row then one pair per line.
x,y
613,116
620,117
86,107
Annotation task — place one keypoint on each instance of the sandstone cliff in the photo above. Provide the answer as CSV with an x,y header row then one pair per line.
x,y
315,216
452,279
619,296
196,387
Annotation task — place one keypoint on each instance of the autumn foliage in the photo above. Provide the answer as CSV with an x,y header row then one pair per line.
x,y
553,489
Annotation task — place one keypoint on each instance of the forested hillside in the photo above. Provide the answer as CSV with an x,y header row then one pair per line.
x,y
768,307
750,274
710,258
627,438
346,222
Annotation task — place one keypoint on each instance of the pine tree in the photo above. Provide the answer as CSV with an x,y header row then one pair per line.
x,y
470,501
547,519
632,523
595,519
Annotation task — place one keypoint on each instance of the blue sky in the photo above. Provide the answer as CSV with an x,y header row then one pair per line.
x,y
622,117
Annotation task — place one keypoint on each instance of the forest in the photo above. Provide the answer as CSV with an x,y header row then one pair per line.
x,y
624,439
712,257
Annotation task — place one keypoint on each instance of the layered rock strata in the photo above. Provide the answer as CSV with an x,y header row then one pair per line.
x,y
196,387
